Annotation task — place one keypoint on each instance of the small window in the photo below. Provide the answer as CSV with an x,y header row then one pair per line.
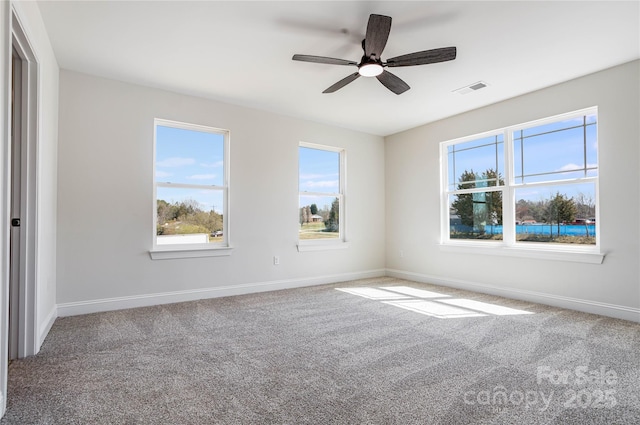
x,y
321,194
533,184
190,186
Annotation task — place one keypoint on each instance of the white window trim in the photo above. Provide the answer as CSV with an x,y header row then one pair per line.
x,y
508,246
321,245
328,244
189,251
537,251
163,252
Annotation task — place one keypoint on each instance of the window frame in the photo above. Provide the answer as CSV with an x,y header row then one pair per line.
x,y
508,245
168,251
341,241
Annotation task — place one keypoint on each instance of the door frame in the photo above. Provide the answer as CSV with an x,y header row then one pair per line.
x,y
14,34
28,303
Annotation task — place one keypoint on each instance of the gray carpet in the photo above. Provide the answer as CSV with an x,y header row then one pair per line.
x,y
320,355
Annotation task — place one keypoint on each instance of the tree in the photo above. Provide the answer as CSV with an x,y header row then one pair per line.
x,y
494,199
324,213
332,224
166,212
585,205
314,209
530,210
480,207
186,217
561,209
186,208
463,205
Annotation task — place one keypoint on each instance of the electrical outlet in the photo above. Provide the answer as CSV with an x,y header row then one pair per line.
x,y
276,260
401,254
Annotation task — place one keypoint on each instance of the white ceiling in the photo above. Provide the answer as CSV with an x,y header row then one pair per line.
x,y
240,52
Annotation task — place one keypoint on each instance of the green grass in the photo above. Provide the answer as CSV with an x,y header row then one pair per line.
x,y
316,231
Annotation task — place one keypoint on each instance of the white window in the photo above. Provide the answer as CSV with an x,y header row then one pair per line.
x,y
190,190
321,196
532,185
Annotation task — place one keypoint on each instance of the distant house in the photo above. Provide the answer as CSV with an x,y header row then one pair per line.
x,y
316,218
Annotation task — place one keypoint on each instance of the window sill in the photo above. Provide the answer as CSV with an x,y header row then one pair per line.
x,y
543,253
322,246
188,252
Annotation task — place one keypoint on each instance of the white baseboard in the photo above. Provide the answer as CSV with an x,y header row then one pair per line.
x,y
587,306
45,326
119,303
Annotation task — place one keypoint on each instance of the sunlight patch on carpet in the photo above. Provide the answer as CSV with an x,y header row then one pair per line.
x,y
431,303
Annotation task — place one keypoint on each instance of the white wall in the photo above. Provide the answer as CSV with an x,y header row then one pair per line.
x,y
46,163
105,199
413,197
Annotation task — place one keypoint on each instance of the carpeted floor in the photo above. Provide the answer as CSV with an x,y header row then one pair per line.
x,y
374,351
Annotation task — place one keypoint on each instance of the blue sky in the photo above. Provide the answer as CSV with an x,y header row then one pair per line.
x,y
190,157
320,173
549,153
197,158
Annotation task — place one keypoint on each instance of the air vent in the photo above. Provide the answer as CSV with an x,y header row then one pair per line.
x,y
471,87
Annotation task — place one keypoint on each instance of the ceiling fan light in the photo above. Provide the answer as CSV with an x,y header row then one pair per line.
x,y
370,70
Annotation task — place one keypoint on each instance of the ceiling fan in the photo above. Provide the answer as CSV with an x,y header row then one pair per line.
x,y
371,64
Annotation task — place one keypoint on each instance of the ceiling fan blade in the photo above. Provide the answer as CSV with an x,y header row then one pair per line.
x,y
425,57
340,84
322,59
393,83
378,30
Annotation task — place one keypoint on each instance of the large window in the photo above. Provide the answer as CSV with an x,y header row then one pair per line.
x,y
321,194
190,186
533,184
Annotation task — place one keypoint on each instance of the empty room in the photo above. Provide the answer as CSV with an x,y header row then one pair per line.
x,y
306,212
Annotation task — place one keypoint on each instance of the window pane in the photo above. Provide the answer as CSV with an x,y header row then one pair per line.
x,y
189,156
319,217
475,163
556,151
319,170
476,216
189,215
559,214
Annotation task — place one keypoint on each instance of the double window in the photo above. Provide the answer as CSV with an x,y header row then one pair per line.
x,y
533,184
321,195
190,186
